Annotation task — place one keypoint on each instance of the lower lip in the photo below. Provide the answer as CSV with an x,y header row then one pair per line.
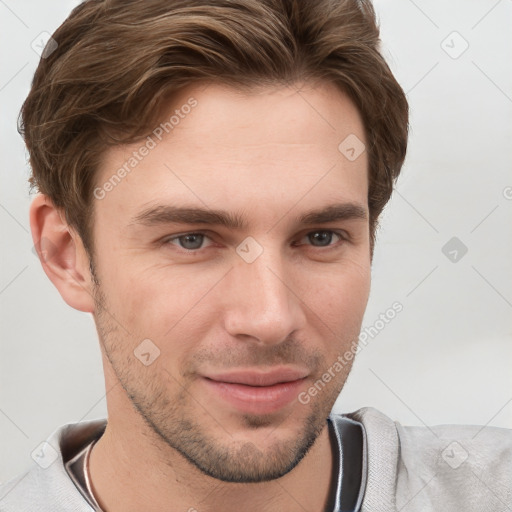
x,y
256,399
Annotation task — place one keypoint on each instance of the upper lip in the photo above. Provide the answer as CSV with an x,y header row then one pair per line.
x,y
252,377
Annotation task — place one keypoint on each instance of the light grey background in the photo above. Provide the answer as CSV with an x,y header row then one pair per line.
x,y
446,358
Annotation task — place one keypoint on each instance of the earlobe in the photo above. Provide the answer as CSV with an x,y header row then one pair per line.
x,y
62,255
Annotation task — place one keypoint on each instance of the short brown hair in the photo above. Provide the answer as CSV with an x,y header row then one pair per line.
x,y
118,61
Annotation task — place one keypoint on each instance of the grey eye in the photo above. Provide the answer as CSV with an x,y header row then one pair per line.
x,y
191,241
320,238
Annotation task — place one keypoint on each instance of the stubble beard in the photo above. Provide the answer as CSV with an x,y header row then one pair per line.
x,y
173,421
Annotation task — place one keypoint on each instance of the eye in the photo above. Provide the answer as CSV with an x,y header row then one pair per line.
x,y
323,238
188,241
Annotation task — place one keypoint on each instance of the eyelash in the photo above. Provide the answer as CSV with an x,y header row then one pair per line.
x,y
168,240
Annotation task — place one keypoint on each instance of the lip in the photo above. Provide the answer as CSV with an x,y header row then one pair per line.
x,y
256,392
259,378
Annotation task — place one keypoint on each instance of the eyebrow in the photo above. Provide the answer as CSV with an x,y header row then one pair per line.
x,y
167,214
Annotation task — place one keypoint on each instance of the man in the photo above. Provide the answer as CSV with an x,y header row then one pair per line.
x,y
210,179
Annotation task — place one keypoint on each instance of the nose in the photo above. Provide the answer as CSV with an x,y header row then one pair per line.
x,y
260,301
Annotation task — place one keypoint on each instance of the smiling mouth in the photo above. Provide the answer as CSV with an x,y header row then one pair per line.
x,y
257,392
257,378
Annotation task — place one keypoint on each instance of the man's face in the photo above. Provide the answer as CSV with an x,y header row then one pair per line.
x,y
239,318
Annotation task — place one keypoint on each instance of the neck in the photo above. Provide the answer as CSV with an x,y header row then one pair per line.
x,y
131,469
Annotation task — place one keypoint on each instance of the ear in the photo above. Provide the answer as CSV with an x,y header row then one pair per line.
x,y
62,254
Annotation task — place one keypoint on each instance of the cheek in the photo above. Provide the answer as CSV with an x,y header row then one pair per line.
x,y
338,297
163,303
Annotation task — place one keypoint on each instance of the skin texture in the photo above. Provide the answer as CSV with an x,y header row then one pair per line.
x,y
268,156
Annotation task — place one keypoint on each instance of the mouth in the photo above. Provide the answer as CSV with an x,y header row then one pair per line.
x,y
259,378
256,392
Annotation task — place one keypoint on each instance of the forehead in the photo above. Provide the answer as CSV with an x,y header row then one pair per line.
x,y
262,151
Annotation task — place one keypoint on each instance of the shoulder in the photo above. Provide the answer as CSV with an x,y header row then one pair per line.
x,y
443,467
46,486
